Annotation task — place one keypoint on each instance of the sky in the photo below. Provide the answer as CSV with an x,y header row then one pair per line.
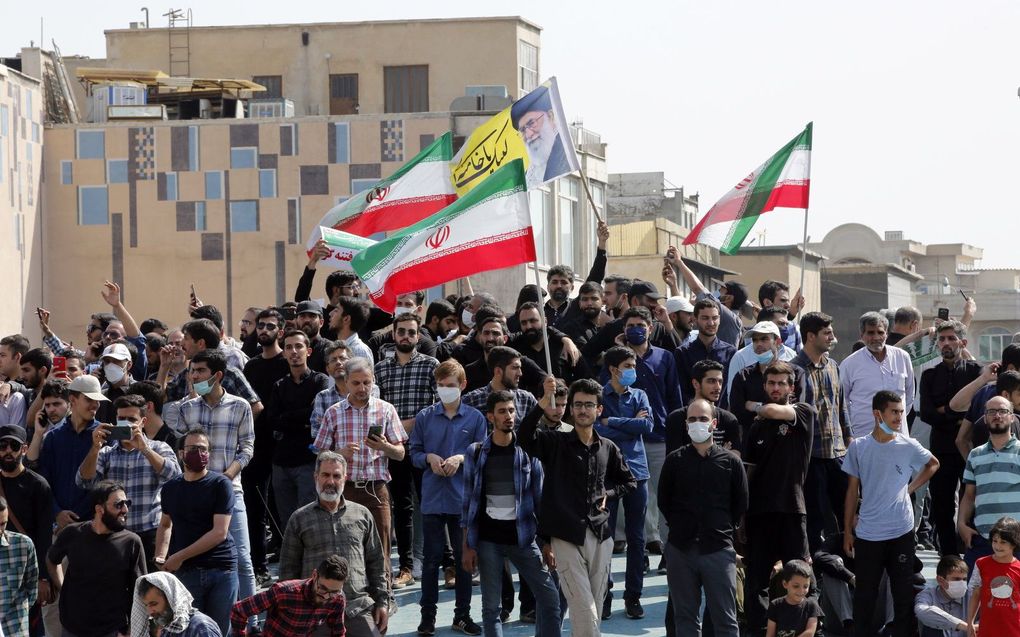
x,y
915,105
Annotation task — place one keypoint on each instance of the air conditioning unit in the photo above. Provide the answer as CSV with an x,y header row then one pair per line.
x,y
280,107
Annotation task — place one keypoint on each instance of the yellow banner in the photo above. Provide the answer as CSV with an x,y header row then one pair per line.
x,y
494,143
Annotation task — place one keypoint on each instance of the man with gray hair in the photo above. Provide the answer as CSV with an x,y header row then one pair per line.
x,y
874,367
333,525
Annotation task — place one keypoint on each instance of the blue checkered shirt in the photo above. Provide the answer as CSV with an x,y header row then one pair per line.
x,y
19,581
141,482
323,401
410,387
230,429
524,401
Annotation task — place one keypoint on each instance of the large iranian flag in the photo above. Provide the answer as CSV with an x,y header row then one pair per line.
x,y
418,189
487,229
783,181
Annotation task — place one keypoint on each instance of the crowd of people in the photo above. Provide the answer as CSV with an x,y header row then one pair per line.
x,y
150,478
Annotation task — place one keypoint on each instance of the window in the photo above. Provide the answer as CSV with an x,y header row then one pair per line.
x,y
361,185
273,84
288,140
992,342
406,89
171,186
267,182
214,184
35,133
93,206
293,221
200,224
343,94
192,148
91,144
543,225
341,143
527,58
245,157
244,216
568,222
116,171
4,116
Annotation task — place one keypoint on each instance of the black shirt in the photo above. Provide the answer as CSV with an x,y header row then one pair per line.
x,y
749,384
580,330
702,497
938,386
780,451
561,366
99,581
606,338
792,620
726,434
577,477
317,355
478,375
262,374
289,416
30,499
497,479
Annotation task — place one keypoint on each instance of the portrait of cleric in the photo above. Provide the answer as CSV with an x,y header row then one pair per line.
x,y
535,119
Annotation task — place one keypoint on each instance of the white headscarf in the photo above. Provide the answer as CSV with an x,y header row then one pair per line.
x,y
177,596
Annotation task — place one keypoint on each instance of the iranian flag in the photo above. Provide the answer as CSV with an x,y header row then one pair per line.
x,y
420,188
487,229
783,181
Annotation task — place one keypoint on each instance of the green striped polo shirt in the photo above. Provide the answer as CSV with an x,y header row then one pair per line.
x,y
996,476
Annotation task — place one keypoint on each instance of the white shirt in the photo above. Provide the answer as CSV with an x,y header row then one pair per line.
x,y
745,356
862,376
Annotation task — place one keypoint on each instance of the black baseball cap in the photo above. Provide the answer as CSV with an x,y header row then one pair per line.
x,y
12,431
308,307
644,288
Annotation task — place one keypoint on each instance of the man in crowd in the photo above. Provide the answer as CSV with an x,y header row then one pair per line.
x,y
346,320
708,380
906,321
290,408
162,604
20,567
505,368
103,561
748,392
707,346
582,328
731,298
332,525
776,295
503,487
875,367
309,321
531,344
578,462
116,370
124,454
337,355
750,354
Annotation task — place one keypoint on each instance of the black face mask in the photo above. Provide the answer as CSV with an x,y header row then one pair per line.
x,y
533,336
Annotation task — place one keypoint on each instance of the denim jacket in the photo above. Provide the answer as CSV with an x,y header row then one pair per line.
x,y
528,477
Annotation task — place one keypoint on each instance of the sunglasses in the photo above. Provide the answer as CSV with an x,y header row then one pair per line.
x,y
13,445
122,504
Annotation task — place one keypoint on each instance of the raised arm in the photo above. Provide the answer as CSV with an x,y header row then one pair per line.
x,y
111,294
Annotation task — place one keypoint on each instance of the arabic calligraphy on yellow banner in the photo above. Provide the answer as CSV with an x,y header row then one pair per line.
x,y
490,146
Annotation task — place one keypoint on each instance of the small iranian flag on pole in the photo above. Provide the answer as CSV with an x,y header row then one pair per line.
x,y
418,189
487,229
783,181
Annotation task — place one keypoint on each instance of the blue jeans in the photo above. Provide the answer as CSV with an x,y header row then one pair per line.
x,y
528,562
634,505
242,544
214,590
433,525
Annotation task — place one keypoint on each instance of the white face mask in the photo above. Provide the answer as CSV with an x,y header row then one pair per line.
x,y
114,373
448,394
699,432
957,589
467,318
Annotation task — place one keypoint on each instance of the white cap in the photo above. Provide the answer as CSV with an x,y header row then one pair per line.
x,y
678,304
117,351
765,327
89,386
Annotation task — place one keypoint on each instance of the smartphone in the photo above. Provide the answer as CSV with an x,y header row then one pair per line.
x,y
119,432
60,365
375,431
193,295
943,313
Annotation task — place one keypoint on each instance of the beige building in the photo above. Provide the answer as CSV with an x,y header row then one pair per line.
x,y
778,263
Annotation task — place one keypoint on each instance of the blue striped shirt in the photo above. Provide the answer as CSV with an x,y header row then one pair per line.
x,y
996,476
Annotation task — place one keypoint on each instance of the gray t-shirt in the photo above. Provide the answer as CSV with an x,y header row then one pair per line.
x,y
885,471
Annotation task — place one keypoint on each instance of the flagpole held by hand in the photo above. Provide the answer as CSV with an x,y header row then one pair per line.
x,y
587,191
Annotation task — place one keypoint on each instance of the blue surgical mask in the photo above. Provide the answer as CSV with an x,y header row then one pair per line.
x,y
204,387
628,377
886,428
765,357
637,335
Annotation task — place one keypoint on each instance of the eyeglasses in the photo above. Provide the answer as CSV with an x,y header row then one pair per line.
x,y
989,412
13,445
409,332
266,326
584,406
531,125
352,286
122,504
326,593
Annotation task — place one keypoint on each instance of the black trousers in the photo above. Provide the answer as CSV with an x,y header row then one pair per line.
x,y
824,495
943,487
895,557
771,537
255,482
401,493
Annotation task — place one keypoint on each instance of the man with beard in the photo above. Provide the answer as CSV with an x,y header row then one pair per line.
x,y
309,321
30,505
708,380
162,606
246,331
194,540
262,372
681,316
290,407
641,294
441,321
406,381
36,366
747,392
332,525
347,320
535,120
708,346
583,327
987,496
874,367
103,562
938,386
383,343
299,607
559,283
531,344
777,450
505,372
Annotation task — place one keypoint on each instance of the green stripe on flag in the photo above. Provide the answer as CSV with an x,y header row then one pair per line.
x,y
762,189
439,150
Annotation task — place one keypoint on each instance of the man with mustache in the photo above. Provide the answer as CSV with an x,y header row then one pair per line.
x,y
103,561
531,344
938,386
333,525
874,367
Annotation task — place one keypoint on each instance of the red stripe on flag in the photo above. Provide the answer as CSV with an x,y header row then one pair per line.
x,y
791,195
395,215
482,258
